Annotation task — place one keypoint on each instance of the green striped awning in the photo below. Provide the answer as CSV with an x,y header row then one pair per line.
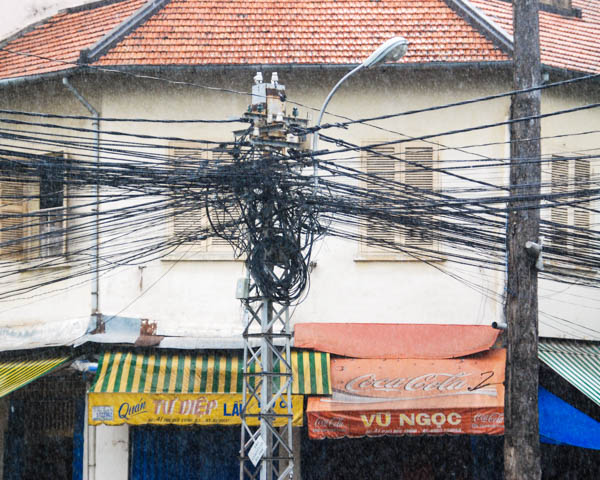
x,y
17,374
578,362
127,372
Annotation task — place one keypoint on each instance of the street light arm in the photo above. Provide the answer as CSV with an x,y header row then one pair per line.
x,y
322,112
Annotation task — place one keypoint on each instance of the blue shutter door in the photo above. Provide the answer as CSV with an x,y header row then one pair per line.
x,y
184,453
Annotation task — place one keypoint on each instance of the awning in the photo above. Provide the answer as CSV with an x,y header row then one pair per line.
x,y
127,372
140,389
17,374
562,424
578,362
379,340
408,396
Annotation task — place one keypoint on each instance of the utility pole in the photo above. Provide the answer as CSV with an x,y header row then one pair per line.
x,y
266,438
521,438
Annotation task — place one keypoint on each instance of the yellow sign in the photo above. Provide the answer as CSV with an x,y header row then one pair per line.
x,y
179,409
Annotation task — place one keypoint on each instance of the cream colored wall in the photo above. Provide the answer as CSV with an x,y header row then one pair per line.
x,y
59,306
570,311
197,297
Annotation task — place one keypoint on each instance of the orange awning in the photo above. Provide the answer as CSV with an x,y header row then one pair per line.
x,y
379,340
408,396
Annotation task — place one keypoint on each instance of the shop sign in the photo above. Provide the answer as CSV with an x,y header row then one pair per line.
x,y
179,409
411,397
396,422
410,383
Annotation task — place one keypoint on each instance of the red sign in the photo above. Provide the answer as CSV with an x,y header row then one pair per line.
x,y
403,396
403,422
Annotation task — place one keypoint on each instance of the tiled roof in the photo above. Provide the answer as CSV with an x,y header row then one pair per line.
x,y
565,41
196,32
62,37
238,32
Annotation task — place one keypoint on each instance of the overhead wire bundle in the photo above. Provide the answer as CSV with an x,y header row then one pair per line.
x,y
143,190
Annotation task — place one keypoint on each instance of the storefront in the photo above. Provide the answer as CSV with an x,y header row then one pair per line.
x,y
184,409
427,401
374,397
409,401
42,406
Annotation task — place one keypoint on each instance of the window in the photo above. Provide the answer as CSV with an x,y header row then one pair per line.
x,y
52,209
191,220
401,170
33,213
569,176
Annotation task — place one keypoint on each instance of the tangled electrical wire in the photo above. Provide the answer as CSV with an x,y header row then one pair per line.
x,y
268,215
261,202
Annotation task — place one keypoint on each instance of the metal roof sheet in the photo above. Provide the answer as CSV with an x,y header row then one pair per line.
x,y
576,361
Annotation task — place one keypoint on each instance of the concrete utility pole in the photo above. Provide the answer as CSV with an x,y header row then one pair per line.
x,y
521,439
266,449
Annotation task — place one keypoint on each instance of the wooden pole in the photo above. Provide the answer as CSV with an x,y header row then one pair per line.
x,y
521,441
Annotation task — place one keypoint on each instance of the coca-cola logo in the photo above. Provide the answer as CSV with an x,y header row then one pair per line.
x,y
331,423
494,418
441,382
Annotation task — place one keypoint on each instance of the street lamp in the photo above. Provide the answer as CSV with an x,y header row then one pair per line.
x,y
392,50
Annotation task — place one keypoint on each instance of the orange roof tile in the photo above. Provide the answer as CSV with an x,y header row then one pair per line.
x,y
565,41
196,32
239,32
61,38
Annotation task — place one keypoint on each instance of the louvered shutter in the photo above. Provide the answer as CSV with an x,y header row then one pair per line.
x,y
189,216
223,217
13,226
581,214
418,174
560,214
381,168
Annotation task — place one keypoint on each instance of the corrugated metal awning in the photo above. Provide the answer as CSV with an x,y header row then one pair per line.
x,y
127,372
17,374
576,361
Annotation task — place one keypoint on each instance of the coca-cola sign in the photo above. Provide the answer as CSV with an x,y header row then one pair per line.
x,y
363,381
494,418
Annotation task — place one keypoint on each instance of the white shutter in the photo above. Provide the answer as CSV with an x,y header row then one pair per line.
x,y
12,225
581,214
382,170
422,179
219,217
187,218
560,214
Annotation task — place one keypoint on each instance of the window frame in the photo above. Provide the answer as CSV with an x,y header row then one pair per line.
x,y
572,214
367,253
30,250
210,249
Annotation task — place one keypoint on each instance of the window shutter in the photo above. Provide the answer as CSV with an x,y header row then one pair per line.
x,y
13,206
581,214
187,218
222,217
560,214
382,171
421,178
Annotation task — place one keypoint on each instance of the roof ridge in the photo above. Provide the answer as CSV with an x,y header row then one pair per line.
x,y
91,54
88,6
481,21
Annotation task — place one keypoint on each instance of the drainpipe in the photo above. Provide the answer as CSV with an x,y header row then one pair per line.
x,y
95,290
96,237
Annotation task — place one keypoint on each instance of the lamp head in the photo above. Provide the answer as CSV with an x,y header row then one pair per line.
x,y
390,51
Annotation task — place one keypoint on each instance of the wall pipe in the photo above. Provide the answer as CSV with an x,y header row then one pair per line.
x,y
95,290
